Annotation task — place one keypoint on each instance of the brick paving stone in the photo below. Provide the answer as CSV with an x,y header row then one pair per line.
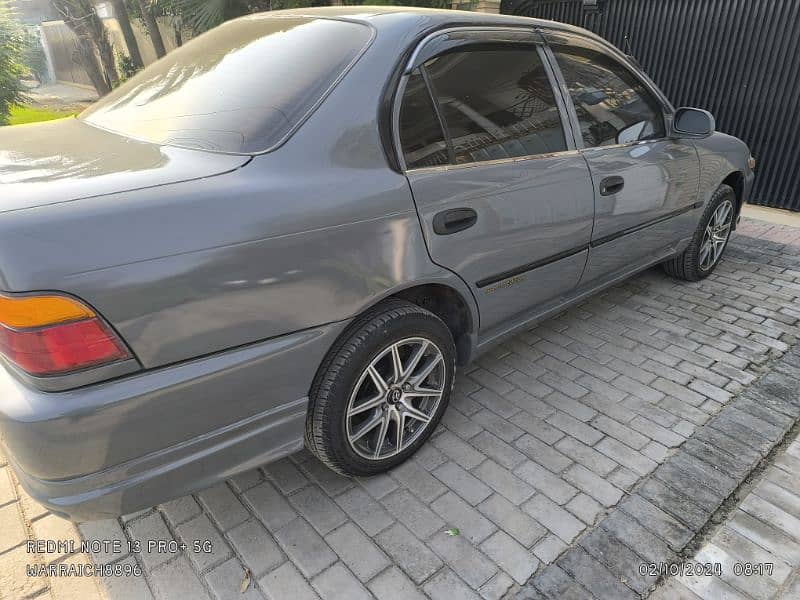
x,y
620,560
497,587
594,576
357,551
446,585
287,582
176,579
285,475
366,512
414,514
510,556
269,506
463,483
392,584
147,529
307,550
455,512
223,505
512,520
585,455
555,518
634,535
408,552
626,456
549,548
556,583
669,529
256,547
14,581
129,588
471,565
201,530
338,582
105,532
542,453
415,478
498,450
180,510
620,432
458,450
503,481
318,509
225,582
585,508
593,484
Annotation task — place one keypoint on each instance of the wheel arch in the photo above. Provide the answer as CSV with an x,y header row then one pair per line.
x,y
735,180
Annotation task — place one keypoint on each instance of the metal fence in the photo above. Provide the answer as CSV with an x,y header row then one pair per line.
x,y
740,59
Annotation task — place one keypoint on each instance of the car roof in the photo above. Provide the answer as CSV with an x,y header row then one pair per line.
x,y
421,19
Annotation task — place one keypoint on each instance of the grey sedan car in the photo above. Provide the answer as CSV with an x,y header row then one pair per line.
x,y
290,231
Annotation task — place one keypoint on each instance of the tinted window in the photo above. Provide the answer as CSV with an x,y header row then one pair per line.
x,y
613,106
420,131
241,87
497,102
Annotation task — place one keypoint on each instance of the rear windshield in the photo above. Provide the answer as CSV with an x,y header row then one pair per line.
x,y
242,87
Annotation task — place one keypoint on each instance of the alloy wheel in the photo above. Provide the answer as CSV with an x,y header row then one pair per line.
x,y
716,235
395,398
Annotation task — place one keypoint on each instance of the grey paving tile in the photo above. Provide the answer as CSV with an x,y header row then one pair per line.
x,y
407,552
357,551
304,546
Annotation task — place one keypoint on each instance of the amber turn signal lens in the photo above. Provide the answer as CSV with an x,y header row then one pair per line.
x,y
22,312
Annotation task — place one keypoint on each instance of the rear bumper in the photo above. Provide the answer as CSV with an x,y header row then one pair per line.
x,y
123,445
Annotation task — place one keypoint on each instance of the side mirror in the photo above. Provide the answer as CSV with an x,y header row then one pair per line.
x,y
693,123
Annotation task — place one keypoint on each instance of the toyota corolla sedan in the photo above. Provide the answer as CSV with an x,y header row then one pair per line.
x,y
291,230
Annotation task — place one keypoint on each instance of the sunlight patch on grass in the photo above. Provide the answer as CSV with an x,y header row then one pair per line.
x,y
27,114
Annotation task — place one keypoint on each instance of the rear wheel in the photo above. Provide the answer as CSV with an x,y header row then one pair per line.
x,y
382,390
710,239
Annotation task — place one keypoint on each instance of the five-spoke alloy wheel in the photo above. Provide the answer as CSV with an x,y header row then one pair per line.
x,y
382,389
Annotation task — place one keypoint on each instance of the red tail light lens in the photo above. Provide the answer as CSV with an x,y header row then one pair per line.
x,y
60,347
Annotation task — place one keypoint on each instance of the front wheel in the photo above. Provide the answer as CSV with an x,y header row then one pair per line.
x,y
710,239
382,390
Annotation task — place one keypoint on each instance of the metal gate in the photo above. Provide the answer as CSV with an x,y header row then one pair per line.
x,y
740,59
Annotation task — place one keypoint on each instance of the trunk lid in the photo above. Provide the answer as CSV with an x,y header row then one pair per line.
x,y
67,159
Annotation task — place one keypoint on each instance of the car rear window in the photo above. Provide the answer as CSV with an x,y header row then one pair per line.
x,y
240,88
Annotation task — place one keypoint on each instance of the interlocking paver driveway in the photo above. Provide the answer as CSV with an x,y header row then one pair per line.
x,y
544,434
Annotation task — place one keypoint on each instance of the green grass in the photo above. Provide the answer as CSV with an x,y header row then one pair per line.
x,y
26,114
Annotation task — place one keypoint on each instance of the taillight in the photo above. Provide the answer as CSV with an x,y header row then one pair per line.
x,y
52,335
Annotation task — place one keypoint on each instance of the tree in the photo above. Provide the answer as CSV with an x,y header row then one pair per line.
x,y
152,27
94,47
124,20
12,68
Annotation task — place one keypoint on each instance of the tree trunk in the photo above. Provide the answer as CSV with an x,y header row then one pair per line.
x,y
93,43
124,20
152,28
88,58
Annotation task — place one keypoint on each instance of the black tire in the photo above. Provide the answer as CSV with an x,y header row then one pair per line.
x,y
686,265
343,368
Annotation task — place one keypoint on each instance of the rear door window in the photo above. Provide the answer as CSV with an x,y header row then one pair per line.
x,y
497,102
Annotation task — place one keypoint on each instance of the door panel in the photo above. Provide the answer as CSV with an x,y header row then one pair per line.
x,y
513,204
654,211
528,213
645,184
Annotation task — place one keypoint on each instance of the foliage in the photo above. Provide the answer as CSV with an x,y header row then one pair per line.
x,y
12,67
25,114
127,68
